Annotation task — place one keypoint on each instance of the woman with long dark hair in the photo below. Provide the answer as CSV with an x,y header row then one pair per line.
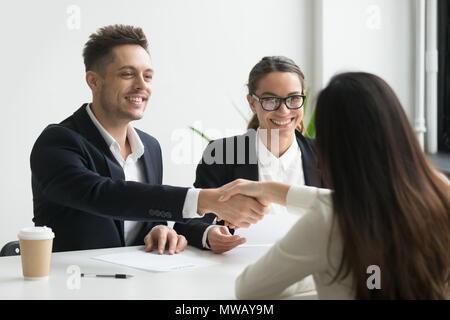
x,y
382,228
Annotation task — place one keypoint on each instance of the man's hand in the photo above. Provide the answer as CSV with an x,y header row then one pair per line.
x,y
161,235
221,240
240,210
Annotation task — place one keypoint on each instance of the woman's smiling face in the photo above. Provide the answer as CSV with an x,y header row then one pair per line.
x,y
279,85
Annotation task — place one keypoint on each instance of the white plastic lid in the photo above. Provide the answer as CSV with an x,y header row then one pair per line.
x,y
36,233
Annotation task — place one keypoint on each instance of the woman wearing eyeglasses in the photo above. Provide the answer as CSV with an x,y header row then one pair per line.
x,y
383,231
273,149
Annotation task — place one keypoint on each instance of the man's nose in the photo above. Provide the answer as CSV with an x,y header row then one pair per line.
x,y
140,83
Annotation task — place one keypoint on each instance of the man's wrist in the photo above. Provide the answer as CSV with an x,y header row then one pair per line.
x,y
205,238
190,203
207,245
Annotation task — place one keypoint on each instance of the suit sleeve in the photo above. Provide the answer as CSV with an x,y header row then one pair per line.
x,y
60,165
207,176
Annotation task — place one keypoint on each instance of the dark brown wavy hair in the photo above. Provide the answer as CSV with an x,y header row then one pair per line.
x,y
391,205
265,66
97,51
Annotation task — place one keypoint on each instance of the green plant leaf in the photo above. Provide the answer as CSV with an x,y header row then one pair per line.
x,y
201,134
311,128
305,104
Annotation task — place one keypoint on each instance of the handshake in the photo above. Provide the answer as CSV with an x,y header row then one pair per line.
x,y
241,202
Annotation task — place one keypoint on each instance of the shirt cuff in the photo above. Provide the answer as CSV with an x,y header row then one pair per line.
x,y
190,204
205,237
300,198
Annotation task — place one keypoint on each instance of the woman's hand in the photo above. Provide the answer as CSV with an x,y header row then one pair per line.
x,y
264,192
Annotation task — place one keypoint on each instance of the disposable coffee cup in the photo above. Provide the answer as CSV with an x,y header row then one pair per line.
x,y
36,252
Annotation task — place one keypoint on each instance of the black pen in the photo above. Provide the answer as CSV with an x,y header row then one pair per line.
x,y
117,275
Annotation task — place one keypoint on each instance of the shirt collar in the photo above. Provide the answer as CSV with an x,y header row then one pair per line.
x,y
137,147
266,158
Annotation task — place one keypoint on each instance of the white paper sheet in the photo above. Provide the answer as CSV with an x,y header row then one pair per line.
x,y
152,261
270,229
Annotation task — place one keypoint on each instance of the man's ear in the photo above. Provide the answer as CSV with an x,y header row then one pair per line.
x,y
93,80
251,103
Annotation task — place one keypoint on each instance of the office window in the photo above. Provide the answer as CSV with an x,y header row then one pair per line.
x,y
444,76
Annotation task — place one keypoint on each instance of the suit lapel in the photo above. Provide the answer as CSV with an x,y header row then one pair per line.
x,y
248,170
117,173
151,176
149,171
310,170
88,130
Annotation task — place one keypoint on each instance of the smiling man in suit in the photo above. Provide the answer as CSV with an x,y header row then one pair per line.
x,y
96,180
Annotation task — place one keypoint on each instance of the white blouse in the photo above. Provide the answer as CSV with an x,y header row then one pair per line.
x,y
310,247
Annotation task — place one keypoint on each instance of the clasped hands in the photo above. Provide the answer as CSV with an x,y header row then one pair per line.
x,y
245,203
240,203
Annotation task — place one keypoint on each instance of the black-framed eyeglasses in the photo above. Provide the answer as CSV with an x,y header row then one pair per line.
x,y
274,103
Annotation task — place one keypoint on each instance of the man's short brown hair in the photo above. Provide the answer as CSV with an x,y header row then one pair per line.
x,y
97,51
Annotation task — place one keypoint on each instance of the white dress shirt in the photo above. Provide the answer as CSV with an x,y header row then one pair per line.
x,y
301,252
134,171
287,169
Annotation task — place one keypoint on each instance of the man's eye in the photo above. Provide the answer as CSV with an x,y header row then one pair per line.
x,y
127,74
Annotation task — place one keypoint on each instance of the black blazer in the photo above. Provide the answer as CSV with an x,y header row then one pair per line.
x,y
79,189
242,163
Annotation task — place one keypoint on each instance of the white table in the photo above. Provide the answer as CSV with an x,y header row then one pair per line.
x,y
214,282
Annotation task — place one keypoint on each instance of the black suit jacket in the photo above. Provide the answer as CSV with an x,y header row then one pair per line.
x,y
241,163
79,189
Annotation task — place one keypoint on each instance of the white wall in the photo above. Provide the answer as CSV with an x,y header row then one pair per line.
x,y
202,53
375,36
